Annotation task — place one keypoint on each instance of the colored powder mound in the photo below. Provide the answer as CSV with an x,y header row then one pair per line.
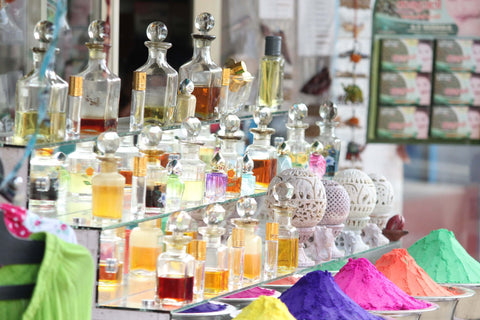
x,y
368,287
398,266
290,280
444,258
265,308
317,296
251,293
333,265
207,307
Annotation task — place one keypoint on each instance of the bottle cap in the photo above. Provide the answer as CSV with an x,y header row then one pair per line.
x,y
174,167
271,232
247,163
238,237
218,162
296,114
43,32
139,80
198,249
225,76
98,32
139,166
316,147
273,45
186,86
75,86
239,68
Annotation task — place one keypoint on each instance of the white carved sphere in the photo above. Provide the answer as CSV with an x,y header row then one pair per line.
x,y
309,198
338,203
385,195
361,190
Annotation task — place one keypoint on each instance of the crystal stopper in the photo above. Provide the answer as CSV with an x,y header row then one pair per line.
x,y
108,142
174,167
283,192
218,162
328,111
179,221
151,136
43,31
316,147
214,215
186,86
204,22
247,163
98,31
282,149
230,124
193,126
297,113
262,117
157,31
246,207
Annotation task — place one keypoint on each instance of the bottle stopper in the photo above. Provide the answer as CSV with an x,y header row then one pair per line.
x,y
192,126
108,143
283,149
204,22
247,164
316,147
214,215
150,137
283,193
229,125
328,111
278,141
218,163
174,167
43,32
157,31
246,207
179,222
98,32
262,117
186,87
296,114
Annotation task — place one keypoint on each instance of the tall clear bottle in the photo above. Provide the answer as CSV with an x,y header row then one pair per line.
x,y
101,87
82,165
175,186
137,108
263,154
145,244
271,74
74,100
139,186
202,70
162,80
331,143
297,146
234,162
271,251
127,153
33,92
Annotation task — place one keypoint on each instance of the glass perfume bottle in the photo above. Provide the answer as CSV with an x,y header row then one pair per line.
x,y
139,186
271,251
201,69
175,186
198,249
317,163
331,143
217,259
127,153
246,208
264,155
44,184
216,182
34,92
209,145
108,185
82,165
110,269
101,87
137,109
193,174
74,100
234,162
186,101
287,235
248,179
145,244
237,259
175,267
284,161
296,144
271,74
170,147
162,79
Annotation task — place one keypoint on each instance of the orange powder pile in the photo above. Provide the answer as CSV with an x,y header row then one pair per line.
x,y
400,268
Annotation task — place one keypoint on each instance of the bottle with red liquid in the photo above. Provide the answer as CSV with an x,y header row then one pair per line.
x,y
175,267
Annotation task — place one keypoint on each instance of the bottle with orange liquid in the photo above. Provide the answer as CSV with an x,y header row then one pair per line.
x,y
252,263
234,161
263,154
110,270
146,243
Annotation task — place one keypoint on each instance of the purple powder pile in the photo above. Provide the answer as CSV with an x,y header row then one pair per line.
x,y
317,296
207,307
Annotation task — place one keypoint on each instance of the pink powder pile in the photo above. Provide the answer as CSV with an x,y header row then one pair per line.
x,y
251,293
368,287
286,281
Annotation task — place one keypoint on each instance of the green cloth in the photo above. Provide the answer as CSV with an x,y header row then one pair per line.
x,y
63,283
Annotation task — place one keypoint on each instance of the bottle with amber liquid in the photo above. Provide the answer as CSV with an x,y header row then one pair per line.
x,y
110,269
298,148
252,264
202,70
287,234
271,74
108,186
216,262
175,267
146,243
233,161
101,87
263,154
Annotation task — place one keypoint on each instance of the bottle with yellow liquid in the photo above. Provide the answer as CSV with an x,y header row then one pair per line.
x,y
108,185
298,148
252,263
146,243
271,74
287,234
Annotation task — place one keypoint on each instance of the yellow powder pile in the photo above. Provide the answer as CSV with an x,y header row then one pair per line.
x,y
265,308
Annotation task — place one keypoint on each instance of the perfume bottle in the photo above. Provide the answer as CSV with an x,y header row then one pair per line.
x,y
264,155
217,259
237,259
296,144
317,163
284,161
170,147
287,234
108,185
271,251
186,101
145,244
175,267
248,179
271,74
162,79
331,144
246,208
139,186
175,186
208,147
34,92
156,174
193,174
110,269
234,162
198,250
44,184
74,100
216,182
137,111
201,69
101,87
82,165
127,153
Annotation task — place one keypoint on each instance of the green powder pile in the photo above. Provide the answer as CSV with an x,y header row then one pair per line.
x,y
444,258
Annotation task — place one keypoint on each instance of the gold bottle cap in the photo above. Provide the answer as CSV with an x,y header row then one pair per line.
x,y
140,166
225,76
198,249
75,86
239,67
272,231
139,80
238,237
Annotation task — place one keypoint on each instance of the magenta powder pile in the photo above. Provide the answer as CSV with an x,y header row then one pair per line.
x,y
368,287
251,293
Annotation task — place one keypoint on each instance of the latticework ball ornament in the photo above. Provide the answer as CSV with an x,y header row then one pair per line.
x,y
385,196
338,203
